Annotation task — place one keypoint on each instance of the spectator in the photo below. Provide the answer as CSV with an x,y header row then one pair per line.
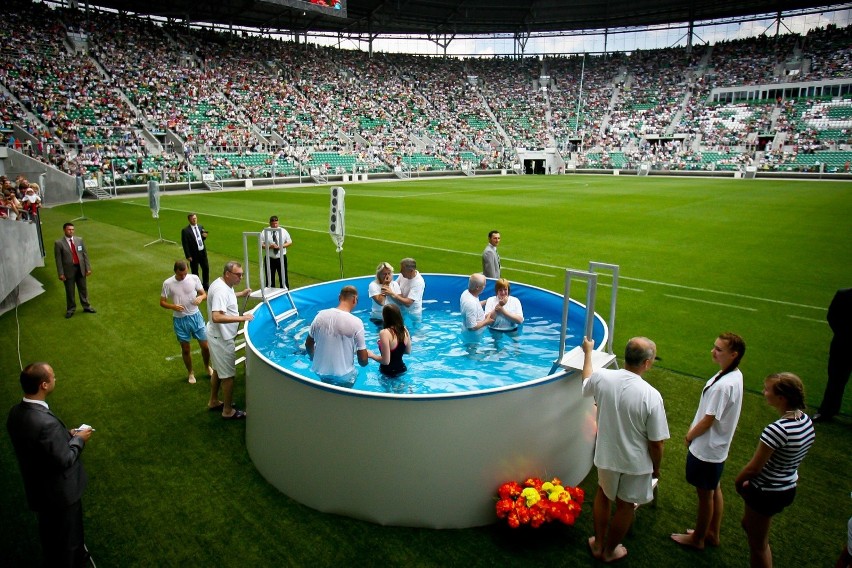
x,y
709,440
768,482
629,446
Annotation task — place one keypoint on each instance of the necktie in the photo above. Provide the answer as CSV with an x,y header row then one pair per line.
x,y
74,257
198,237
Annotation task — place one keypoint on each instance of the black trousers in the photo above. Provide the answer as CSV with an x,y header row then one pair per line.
x,y
839,369
61,534
275,267
200,260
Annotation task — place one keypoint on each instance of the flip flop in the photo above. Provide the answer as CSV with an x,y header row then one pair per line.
x,y
237,415
219,406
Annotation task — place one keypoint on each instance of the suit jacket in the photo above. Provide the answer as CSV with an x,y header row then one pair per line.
x,y
48,455
187,239
64,260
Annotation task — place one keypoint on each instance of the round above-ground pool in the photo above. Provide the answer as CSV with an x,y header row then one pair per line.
x,y
428,459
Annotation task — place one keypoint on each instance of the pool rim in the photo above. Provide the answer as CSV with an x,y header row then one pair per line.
x,y
316,383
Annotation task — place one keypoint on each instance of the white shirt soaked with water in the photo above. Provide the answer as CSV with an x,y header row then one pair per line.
x,y
337,335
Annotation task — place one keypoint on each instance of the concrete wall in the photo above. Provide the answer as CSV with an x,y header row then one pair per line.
x,y
19,253
58,187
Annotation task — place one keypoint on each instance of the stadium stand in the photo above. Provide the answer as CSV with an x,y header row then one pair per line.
x,y
127,99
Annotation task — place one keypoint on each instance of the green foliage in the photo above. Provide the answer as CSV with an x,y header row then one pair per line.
x,y
172,484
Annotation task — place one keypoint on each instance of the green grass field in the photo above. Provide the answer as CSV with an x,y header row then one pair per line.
x,y
171,484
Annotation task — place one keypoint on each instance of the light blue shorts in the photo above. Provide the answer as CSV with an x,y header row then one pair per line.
x,y
188,327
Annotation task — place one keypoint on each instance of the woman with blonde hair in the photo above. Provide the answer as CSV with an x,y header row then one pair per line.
x,y
379,288
767,483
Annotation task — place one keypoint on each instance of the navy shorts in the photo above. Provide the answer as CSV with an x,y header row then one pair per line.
x,y
702,474
767,503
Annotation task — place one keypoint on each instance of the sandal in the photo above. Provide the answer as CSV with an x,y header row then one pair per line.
x,y
237,415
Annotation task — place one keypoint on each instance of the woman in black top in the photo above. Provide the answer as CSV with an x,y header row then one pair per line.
x,y
394,342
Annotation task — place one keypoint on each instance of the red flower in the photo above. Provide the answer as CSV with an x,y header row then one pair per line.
x,y
512,504
510,490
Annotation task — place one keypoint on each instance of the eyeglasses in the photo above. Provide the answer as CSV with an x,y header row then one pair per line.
x,y
237,274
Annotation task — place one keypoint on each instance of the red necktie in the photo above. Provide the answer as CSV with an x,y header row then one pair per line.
x,y
74,256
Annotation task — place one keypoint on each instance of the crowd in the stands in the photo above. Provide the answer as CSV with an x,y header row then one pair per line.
x,y
128,99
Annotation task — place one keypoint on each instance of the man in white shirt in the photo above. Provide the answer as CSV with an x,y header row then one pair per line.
x,y
183,293
276,240
474,317
223,323
411,288
335,337
629,445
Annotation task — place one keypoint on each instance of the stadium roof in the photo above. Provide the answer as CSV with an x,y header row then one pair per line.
x,y
455,17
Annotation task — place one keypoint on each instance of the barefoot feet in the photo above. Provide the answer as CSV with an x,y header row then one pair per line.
x,y
598,552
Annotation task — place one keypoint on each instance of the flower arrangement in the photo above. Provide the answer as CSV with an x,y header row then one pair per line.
x,y
535,502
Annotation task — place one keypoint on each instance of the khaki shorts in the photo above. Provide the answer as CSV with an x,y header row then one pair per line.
x,y
627,487
222,356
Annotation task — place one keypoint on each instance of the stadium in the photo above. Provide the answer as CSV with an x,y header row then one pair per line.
x,y
715,174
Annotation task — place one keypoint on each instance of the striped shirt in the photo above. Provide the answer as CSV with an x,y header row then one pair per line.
x,y
791,439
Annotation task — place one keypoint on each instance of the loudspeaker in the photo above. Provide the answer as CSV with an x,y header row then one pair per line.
x,y
336,211
154,197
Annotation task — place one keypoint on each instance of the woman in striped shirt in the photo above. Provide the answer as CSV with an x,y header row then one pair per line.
x,y
767,483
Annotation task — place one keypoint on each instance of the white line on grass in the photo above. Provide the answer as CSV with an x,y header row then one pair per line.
x,y
709,302
529,272
806,319
175,357
620,287
513,260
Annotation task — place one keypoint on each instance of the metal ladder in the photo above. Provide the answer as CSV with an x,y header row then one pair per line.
x,y
573,359
264,293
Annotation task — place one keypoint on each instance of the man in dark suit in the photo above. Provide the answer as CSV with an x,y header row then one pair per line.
x,y
73,266
839,355
49,459
192,238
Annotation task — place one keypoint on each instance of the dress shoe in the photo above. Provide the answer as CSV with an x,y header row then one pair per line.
x,y
819,417
90,310
68,314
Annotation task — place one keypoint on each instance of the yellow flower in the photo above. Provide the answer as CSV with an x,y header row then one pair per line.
x,y
547,486
531,495
557,491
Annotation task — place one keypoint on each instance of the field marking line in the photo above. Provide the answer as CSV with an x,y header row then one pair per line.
x,y
621,287
734,294
806,319
514,260
709,302
176,357
529,272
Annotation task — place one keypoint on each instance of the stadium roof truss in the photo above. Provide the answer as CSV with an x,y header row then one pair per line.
x,y
450,18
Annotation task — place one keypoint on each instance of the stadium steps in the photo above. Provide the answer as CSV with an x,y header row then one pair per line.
x,y
98,192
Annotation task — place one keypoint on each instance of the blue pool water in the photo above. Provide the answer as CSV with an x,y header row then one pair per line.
x,y
440,361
